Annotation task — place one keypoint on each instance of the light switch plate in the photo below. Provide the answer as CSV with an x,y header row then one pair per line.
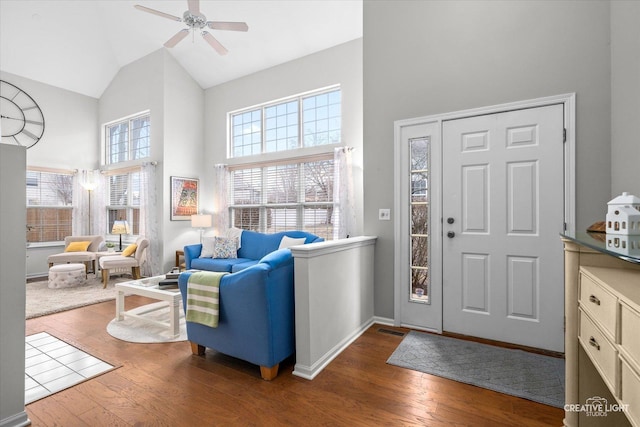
x,y
384,214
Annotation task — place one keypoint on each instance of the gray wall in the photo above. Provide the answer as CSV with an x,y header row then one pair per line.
x,y
341,64
158,83
428,57
13,218
625,97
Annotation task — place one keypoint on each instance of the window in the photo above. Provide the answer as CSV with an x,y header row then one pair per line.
x,y
303,121
286,196
419,208
49,206
128,139
124,200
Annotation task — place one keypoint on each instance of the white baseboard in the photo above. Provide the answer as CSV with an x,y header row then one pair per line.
x,y
17,420
310,372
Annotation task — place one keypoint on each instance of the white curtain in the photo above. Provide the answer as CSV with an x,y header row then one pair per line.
x,y
220,202
99,202
149,218
343,193
80,221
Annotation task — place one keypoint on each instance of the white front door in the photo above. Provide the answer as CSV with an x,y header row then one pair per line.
x,y
502,211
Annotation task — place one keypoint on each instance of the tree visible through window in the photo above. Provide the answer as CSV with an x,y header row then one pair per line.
x,y
284,197
49,206
294,191
419,200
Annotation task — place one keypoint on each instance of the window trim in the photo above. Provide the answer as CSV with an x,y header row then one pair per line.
x,y
283,154
105,161
51,171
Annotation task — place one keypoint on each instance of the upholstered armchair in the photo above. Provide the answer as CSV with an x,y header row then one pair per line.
x,y
133,256
78,249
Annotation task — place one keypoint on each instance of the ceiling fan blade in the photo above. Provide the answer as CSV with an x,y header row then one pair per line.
x,y
157,12
230,26
194,6
177,38
214,43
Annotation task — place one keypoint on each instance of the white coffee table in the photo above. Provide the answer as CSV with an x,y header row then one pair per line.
x,y
148,287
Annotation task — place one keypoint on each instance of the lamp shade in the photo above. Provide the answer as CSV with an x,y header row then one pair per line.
x,y
120,226
89,180
201,221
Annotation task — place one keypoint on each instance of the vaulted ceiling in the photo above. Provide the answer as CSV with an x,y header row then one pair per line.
x,y
80,45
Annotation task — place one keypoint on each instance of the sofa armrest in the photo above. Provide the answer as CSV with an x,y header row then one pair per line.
x,y
277,259
191,252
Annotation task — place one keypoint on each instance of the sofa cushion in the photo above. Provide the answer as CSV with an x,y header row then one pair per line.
x,y
242,265
224,247
208,244
287,242
217,264
77,246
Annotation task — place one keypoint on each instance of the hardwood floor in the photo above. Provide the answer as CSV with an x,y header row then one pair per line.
x,y
165,385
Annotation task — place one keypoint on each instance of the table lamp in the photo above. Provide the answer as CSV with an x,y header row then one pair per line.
x,y
201,221
120,227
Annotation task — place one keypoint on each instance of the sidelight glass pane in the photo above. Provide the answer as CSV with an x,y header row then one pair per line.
x,y
419,211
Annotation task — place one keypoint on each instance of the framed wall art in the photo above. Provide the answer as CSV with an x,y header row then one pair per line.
x,y
184,198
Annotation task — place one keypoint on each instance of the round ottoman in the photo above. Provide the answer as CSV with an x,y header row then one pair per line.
x,y
67,275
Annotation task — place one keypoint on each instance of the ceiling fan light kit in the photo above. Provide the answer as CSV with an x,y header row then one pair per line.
x,y
197,21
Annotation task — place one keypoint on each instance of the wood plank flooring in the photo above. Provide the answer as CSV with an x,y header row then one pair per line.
x,y
165,385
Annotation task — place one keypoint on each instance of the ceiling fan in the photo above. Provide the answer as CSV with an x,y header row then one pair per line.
x,y
197,21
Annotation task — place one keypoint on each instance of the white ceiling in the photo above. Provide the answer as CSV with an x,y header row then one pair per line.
x,y
80,45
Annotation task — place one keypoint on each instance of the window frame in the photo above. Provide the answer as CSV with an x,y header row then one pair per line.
x,y
300,205
61,230
107,146
129,207
290,152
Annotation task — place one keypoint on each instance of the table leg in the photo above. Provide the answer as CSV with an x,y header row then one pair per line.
x,y
119,305
174,316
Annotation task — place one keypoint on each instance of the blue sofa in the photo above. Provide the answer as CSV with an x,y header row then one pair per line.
x,y
256,308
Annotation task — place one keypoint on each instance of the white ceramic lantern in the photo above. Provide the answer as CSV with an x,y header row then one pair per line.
x,y
623,215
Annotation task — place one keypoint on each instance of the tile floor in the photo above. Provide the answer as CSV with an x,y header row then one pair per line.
x,y
52,365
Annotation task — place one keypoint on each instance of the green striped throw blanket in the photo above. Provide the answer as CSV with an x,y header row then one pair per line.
x,y
203,297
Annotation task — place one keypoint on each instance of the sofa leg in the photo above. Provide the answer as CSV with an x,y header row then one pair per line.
x,y
105,277
197,349
269,373
135,272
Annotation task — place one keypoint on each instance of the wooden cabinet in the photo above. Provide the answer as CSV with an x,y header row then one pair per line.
x,y
602,336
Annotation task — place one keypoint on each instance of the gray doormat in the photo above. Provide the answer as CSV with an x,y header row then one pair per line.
x,y
516,372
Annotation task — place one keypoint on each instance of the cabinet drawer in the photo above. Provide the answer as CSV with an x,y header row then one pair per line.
x,y
602,353
600,304
630,391
629,338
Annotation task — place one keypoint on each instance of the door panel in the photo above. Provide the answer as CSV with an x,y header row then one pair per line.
x,y
503,266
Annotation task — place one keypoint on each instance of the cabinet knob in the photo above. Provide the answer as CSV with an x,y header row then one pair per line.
x,y
594,343
594,299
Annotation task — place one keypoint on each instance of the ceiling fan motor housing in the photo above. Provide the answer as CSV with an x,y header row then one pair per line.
x,y
194,20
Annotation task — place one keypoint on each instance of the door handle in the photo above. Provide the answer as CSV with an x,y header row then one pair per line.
x,y
451,234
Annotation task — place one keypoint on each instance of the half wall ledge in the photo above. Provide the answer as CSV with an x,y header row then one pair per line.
x,y
334,292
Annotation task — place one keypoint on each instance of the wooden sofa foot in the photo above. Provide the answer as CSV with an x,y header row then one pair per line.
x,y
269,373
105,278
197,349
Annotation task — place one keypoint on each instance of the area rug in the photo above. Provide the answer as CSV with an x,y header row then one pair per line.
x,y
42,301
138,331
515,372
53,365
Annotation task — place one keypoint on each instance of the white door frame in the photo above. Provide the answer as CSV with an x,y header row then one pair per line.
x,y
401,240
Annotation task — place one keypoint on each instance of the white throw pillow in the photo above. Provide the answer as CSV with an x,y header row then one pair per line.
x,y
207,247
287,242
